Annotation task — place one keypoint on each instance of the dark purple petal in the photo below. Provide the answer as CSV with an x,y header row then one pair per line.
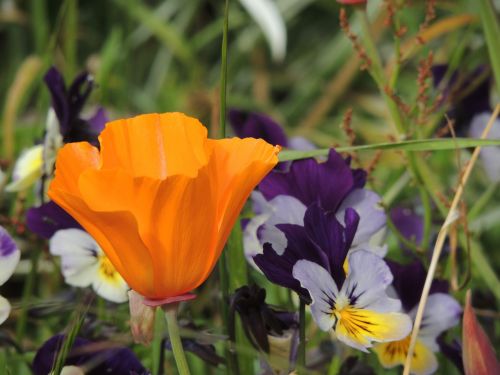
x,y
409,282
311,182
278,269
98,121
206,352
257,125
452,351
7,244
464,107
55,83
409,224
119,361
48,218
325,231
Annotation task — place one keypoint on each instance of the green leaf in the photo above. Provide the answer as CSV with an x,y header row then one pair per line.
x,y
414,145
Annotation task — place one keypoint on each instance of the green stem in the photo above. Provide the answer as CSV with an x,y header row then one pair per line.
x,y
301,359
223,72
491,31
483,200
175,339
29,288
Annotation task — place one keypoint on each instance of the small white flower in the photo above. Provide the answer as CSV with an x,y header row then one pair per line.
x,y
84,263
9,259
27,170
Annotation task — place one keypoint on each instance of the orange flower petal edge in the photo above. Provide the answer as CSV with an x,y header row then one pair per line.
x,y
159,197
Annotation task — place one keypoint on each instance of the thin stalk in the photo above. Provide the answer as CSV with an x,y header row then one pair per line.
x,y
29,288
301,359
175,339
443,233
483,200
491,29
223,72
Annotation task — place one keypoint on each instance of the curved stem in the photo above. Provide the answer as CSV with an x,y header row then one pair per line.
x,y
301,360
175,339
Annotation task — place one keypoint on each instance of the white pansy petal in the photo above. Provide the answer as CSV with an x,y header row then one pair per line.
x,y
115,290
367,281
73,242
286,210
489,155
271,234
4,309
81,275
301,144
322,289
372,216
441,312
27,170
267,15
9,255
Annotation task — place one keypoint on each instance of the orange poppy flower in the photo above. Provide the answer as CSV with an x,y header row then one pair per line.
x,y
159,197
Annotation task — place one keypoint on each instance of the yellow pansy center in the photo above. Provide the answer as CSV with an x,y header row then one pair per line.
x,y
107,270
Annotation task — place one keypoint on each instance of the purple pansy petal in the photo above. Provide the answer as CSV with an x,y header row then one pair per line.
x,y
55,83
441,313
409,224
97,361
409,281
9,255
489,155
98,121
322,289
453,351
48,218
372,216
257,125
325,231
278,269
309,181
367,281
463,108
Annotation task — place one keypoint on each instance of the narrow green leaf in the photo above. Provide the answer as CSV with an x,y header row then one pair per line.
x,y
491,29
414,145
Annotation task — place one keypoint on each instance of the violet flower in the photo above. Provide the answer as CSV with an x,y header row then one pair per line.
x,y
91,358
47,219
9,258
283,197
441,313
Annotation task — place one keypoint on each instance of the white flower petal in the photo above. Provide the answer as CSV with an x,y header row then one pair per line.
x,y
71,242
4,309
9,255
114,290
367,281
267,15
489,155
322,289
27,170
441,312
372,215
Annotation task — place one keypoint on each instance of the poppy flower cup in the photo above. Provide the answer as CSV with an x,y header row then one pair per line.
x,y
159,197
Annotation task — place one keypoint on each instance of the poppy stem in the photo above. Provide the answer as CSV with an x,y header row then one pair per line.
x,y
175,338
301,360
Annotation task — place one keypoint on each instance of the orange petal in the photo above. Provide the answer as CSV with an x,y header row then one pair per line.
x,y
185,233
478,353
155,145
118,236
72,160
239,165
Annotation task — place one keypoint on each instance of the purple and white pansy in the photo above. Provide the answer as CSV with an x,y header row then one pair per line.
x,y
83,264
441,313
284,196
9,259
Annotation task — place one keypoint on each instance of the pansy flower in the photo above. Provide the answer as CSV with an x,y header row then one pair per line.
x,y
159,197
258,125
354,306
47,219
84,264
441,313
272,331
321,239
87,357
9,258
283,197
27,169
